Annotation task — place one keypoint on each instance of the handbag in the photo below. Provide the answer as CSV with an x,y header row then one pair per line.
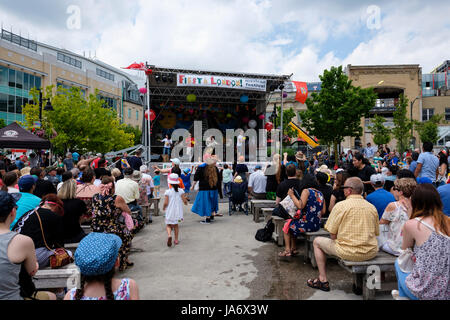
x,y
60,256
289,205
279,211
128,221
406,260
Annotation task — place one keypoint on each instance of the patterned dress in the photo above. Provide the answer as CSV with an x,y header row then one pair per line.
x,y
308,219
107,219
122,293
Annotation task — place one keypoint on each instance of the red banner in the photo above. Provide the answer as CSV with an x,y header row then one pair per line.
x,y
139,66
302,91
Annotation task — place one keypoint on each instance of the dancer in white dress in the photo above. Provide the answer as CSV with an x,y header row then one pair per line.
x,y
173,206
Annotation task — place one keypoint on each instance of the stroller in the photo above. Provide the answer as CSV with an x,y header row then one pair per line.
x,y
238,196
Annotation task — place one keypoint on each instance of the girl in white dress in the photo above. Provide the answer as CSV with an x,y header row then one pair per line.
x,y
173,206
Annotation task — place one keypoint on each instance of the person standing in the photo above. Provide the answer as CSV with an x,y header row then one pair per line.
x,y
75,156
227,178
173,206
166,147
43,187
369,151
68,162
136,161
427,163
443,169
128,189
363,171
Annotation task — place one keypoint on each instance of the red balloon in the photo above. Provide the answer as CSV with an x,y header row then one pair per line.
x,y
268,126
152,115
143,90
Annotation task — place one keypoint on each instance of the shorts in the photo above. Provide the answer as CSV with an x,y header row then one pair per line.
x,y
39,295
327,245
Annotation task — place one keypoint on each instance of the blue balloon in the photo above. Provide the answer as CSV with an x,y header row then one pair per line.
x,y
244,99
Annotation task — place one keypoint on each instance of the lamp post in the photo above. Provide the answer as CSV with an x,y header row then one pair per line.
x,y
412,137
48,106
281,115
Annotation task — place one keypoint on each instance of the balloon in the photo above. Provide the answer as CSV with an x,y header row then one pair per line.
x,y
245,119
191,97
252,124
268,126
229,115
152,115
143,90
285,94
261,117
244,99
191,111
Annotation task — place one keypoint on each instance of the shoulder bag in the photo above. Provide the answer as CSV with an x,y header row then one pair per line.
x,y
60,256
289,205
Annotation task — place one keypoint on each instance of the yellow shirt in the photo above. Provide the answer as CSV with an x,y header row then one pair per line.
x,y
127,189
355,222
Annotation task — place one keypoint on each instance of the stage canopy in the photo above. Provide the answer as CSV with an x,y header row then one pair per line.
x,y
14,136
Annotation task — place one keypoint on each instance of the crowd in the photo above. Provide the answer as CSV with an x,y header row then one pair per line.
x,y
375,199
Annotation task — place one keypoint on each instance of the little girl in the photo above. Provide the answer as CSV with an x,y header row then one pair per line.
x,y
173,205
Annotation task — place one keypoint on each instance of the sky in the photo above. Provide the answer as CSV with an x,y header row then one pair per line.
x,y
256,36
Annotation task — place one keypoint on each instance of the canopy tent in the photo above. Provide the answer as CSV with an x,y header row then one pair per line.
x,y
14,136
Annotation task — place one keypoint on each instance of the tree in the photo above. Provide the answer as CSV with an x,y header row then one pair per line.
x,y
381,134
78,123
2,123
402,125
287,117
429,130
335,112
136,132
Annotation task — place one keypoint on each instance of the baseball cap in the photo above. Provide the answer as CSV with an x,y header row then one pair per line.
x,y
176,161
187,170
26,182
377,179
97,253
258,166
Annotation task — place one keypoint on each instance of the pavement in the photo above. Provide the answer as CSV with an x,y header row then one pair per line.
x,y
223,261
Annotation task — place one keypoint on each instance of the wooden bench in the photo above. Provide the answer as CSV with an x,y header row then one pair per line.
x,y
155,202
146,212
277,234
309,247
86,228
66,277
383,261
256,205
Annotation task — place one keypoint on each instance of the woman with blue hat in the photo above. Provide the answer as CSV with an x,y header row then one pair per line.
x,y
97,257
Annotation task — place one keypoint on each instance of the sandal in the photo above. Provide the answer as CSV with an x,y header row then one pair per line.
x,y
176,242
285,254
294,253
317,284
130,264
169,241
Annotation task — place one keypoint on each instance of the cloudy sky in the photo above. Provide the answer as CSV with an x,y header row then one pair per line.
x,y
258,36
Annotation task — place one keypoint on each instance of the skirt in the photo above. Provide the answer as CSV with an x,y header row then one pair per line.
x,y
206,202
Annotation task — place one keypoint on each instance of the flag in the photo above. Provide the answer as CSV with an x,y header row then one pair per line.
x,y
139,66
302,91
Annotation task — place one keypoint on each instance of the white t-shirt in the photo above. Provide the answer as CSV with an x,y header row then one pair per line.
x,y
258,182
167,142
240,140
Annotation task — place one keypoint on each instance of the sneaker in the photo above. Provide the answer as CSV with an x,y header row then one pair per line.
x,y
205,221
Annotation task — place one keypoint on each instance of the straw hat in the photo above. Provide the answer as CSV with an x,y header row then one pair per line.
x,y
238,179
300,156
136,176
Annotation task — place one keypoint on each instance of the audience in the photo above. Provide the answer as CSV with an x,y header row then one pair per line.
x,y
380,198
257,183
43,187
28,201
427,163
338,193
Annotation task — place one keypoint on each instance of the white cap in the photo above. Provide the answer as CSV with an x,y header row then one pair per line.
x,y
377,179
176,161
143,168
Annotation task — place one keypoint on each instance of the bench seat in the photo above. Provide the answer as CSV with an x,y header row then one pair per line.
x,y
155,203
65,277
256,205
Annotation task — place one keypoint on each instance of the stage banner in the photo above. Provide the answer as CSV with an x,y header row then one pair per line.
x,y
195,80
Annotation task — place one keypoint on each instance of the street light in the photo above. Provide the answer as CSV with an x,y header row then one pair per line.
x,y
412,137
48,106
281,114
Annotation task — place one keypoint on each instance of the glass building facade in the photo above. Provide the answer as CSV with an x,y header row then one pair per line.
x,y
15,88
432,82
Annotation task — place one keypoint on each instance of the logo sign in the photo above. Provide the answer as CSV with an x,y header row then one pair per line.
x,y
194,80
10,134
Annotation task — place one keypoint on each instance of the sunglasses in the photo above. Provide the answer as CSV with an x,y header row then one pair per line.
x,y
346,187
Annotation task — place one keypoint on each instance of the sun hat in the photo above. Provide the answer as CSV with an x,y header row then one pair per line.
x,y
143,168
26,182
136,176
51,168
176,161
238,179
173,179
377,179
211,160
97,253
300,156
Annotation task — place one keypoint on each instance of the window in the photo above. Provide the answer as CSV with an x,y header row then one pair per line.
x,y
3,102
14,38
427,84
37,82
11,103
19,79
19,102
12,78
427,114
447,114
137,115
26,81
69,60
3,76
129,113
104,74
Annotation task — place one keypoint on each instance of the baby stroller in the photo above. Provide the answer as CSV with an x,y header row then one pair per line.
x,y
238,196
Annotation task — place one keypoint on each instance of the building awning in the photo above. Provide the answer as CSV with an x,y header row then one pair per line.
x,y
23,67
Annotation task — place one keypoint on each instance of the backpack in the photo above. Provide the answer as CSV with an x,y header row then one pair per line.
x,y
265,234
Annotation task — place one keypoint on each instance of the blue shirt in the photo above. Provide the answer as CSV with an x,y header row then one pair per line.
x,y
380,199
430,163
444,192
157,181
26,203
186,180
393,161
75,156
413,166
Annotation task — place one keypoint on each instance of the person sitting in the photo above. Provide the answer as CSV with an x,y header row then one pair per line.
x,y
290,182
353,226
10,180
427,233
101,171
311,207
444,192
326,190
257,184
238,193
51,175
117,174
74,209
241,169
27,201
396,214
390,176
97,258
276,173
338,193
43,187
107,209
16,251
128,189
44,221
380,198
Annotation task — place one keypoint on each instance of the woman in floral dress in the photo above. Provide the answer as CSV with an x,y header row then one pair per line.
x,y
107,209
311,206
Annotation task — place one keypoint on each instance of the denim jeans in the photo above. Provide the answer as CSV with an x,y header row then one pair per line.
x,y
227,188
136,207
402,288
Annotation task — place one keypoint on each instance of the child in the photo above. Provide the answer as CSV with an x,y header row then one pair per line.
x,y
97,257
173,202
227,179
157,182
186,177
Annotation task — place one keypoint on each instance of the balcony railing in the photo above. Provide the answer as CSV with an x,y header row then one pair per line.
x,y
384,105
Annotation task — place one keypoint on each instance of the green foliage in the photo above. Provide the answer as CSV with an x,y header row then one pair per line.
x,y
137,133
2,123
78,123
335,112
381,134
429,130
402,125
288,114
